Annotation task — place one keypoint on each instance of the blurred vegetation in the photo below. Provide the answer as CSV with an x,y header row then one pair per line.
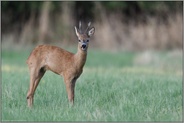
x,y
22,18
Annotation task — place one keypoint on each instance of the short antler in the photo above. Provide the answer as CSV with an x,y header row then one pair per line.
x,y
80,27
89,24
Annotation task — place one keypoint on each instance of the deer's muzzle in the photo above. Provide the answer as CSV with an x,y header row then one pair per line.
x,y
84,46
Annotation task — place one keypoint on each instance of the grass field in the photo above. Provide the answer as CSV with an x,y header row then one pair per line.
x,y
123,86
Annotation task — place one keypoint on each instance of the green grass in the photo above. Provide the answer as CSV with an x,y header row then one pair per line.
x,y
112,88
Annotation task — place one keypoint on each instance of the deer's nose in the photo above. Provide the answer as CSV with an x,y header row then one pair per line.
x,y
83,45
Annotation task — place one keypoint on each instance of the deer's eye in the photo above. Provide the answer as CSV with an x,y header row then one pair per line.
x,y
79,40
87,40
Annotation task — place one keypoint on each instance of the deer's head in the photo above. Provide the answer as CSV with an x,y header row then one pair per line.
x,y
84,37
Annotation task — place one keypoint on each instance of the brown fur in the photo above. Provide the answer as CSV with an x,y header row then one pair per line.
x,y
59,61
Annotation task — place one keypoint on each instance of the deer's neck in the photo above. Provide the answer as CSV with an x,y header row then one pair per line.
x,y
80,58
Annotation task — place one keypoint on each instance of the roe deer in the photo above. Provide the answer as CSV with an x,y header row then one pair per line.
x,y
59,61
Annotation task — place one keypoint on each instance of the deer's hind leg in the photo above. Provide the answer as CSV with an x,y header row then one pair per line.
x,y
35,77
40,75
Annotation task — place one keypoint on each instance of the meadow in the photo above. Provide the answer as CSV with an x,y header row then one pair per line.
x,y
114,86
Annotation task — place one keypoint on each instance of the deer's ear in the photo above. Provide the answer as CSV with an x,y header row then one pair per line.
x,y
91,31
76,31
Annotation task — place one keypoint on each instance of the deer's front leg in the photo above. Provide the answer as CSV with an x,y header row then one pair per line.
x,y
70,88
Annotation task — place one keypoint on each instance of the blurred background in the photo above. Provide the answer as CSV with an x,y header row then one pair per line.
x,y
122,25
134,61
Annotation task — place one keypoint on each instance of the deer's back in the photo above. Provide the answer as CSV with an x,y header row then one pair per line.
x,y
52,57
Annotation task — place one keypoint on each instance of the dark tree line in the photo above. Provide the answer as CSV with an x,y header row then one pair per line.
x,y
16,12
31,21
